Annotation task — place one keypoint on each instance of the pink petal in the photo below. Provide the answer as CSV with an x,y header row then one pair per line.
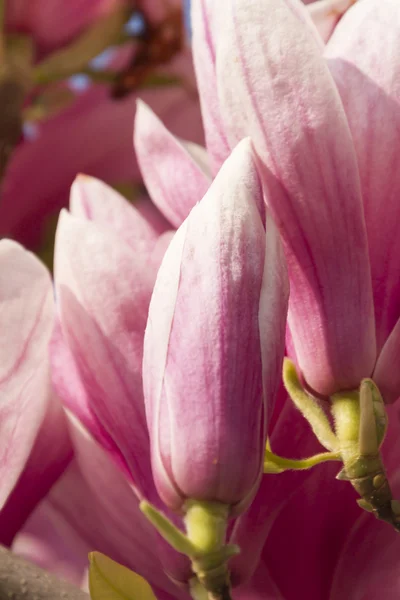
x,y
93,200
364,57
275,87
273,313
35,446
76,398
175,181
194,366
386,372
326,14
204,62
50,455
261,586
49,541
26,320
297,7
103,292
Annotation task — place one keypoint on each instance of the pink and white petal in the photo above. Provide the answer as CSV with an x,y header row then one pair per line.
x,y
302,13
26,321
76,398
387,368
103,291
275,86
326,14
204,61
93,200
367,37
212,272
49,457
174,180
273,313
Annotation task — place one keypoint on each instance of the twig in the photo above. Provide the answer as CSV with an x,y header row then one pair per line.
x,y
20,580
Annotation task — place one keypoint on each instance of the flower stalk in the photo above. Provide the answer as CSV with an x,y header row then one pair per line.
x,y
360,424
204,544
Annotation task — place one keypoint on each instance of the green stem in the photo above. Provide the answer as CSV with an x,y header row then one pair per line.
x,y
285,464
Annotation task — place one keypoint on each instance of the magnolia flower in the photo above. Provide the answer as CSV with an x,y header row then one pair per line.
x,y
309,113
342,309
214,344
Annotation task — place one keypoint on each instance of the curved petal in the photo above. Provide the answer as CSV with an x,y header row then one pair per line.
x,y
387,372
216,307
49,457
35,447
26,321
93,200
273,313
49,541
275,87
204,63
78,399
326,14
366,68
302,13
174,179
103,293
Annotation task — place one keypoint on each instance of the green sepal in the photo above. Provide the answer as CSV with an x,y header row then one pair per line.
x,y
365,505
370,393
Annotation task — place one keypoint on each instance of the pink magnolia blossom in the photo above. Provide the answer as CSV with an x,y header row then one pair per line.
x,y
322,185
214,339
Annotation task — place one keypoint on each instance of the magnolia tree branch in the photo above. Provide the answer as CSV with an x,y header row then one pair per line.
x,y
20,580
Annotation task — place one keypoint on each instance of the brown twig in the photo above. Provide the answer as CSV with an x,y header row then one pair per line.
x,y
21,580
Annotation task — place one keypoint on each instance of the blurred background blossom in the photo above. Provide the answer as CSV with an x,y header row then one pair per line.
x,y
75,115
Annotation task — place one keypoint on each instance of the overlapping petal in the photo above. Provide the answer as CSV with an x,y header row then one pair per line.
x,y
103,292
366,69
173,177
204,61
326,14
35,448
